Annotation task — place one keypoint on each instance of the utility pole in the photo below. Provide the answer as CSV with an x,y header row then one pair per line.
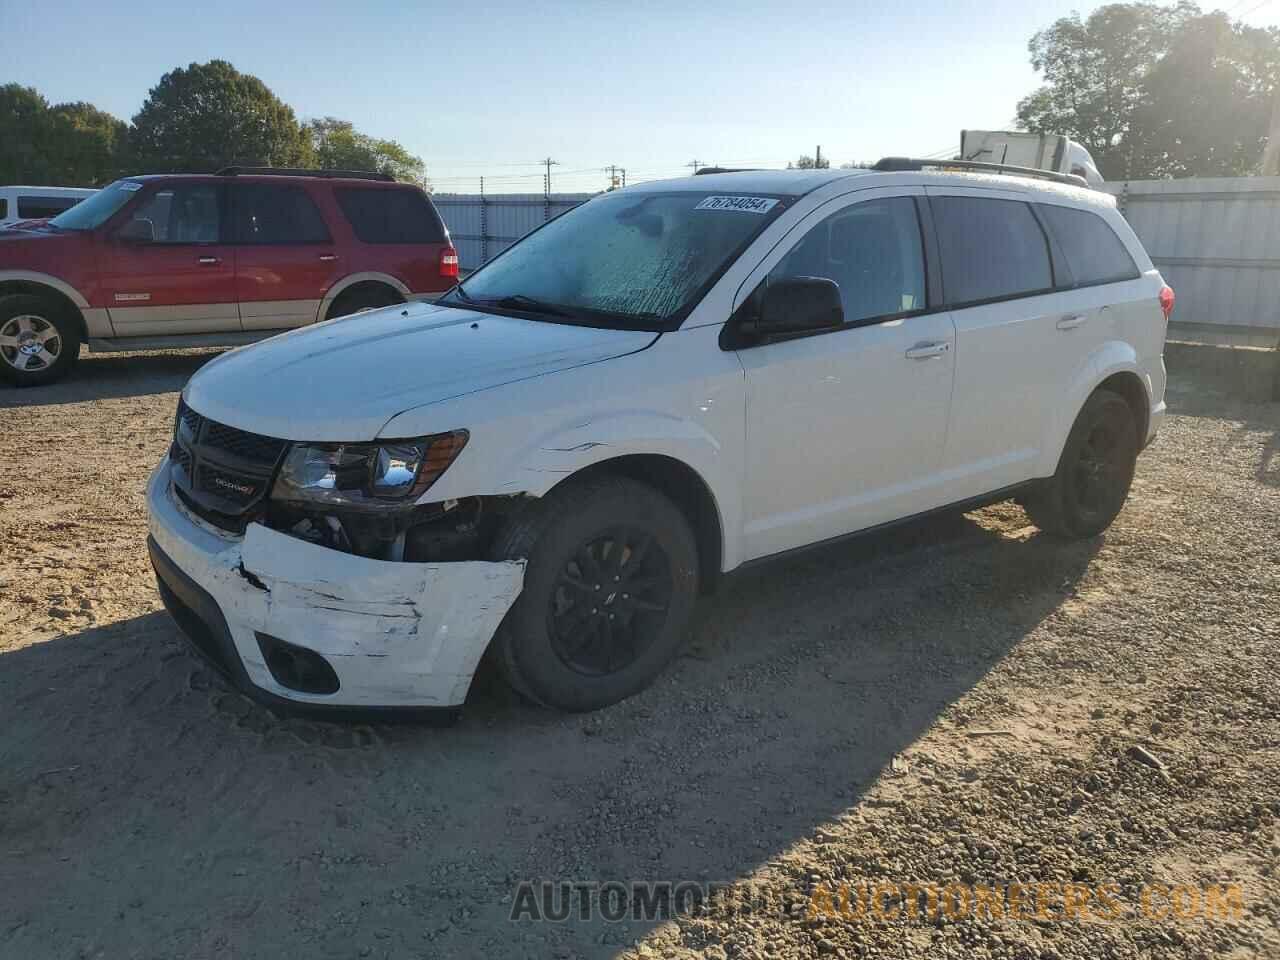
x,y
546,188
695,164
817,158
1271,152
617,176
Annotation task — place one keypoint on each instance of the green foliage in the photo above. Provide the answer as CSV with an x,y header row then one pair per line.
x,y
1156,91
70,144
337,145
210,115
807,162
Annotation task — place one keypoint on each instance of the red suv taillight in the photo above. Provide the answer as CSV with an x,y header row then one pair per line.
x,y
449,263
1166,301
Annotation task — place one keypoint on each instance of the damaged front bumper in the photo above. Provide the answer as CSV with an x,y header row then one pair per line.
x,y
391,634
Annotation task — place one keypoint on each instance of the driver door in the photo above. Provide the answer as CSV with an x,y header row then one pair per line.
x,y
846,428
166,269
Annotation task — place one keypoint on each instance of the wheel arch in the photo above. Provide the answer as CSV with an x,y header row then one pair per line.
x,y
66,297
356,281
684,487
1114,367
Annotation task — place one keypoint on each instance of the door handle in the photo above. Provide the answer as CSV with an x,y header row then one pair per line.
x,y
327,257
1071,322
210,260
926,351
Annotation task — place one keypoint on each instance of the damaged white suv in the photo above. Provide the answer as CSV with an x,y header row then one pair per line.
x,y
667,382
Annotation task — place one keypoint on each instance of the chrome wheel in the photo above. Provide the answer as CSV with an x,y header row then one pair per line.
x,y
29,343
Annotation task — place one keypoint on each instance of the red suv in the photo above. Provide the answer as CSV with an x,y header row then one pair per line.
x,y
212,260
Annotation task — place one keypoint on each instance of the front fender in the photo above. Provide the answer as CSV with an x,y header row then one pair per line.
x,y
1108,359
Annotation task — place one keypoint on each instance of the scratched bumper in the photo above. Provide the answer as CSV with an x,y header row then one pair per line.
x,y
396,634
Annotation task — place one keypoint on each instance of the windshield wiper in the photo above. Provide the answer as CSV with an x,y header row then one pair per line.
x,y
518,301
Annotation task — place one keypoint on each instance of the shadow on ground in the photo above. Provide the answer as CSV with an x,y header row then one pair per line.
x,y
104,376
144,806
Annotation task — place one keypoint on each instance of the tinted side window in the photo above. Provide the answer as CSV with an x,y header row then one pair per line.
x,y
872,250
390,215
35,208
1093,252
990,249
183,213
4,207
268,213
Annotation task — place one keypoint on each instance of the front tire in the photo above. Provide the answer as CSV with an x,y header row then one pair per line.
x,y
39,340
610,583
1094,473
364,298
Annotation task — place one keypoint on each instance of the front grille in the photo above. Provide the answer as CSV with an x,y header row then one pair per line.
x,y
225,472
238,443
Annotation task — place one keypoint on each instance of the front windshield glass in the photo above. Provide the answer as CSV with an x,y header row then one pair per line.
x,y
629,260
95,210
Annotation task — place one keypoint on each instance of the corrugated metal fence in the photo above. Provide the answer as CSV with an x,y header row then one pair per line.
x,y
1217,242
483,226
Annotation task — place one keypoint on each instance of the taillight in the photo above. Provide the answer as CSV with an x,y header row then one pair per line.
x,y
449,262
1166,301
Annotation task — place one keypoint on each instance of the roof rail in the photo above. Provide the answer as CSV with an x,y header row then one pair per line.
x,y
701,170
886,164
236,171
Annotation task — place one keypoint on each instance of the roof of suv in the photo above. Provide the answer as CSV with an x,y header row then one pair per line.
x,y
270,177
799,182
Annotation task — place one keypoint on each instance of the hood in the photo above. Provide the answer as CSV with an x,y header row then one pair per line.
x,y
33,230
344,379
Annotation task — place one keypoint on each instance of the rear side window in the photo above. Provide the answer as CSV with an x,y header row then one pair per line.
x,y
4,208
268,213
390,215
1093,252
35,208
990,249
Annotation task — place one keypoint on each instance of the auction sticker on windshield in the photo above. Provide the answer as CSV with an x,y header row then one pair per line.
x,y
742,204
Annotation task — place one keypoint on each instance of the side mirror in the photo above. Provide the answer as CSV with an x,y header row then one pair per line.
x,y
797,305
140,230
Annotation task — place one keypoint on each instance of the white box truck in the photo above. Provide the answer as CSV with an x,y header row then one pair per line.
x,y
1043,151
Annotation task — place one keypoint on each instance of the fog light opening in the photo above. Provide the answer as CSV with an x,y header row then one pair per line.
x,y
297,668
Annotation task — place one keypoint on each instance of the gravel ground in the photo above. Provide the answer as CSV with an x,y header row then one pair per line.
x,y
958,702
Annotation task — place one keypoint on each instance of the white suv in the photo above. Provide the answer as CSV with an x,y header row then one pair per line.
x,y
552,461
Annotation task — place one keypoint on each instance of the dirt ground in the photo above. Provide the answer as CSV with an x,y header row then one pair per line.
x,y
954,703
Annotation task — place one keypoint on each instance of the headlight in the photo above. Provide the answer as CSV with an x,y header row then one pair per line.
x,y
370,475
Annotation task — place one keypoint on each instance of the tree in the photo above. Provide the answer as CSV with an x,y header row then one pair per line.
x,y
87,146
70,144
1155,91
807,162
337,145
210,115
24,124
1208,101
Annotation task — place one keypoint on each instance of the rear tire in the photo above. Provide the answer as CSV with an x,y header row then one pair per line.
x,y
39,340
1094,472
364,298
610,583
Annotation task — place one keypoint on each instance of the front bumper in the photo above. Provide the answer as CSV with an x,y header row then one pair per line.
x,y
395,634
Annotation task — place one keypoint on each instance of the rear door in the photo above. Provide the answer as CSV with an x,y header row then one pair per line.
x,y
286,258
166,267
1011,355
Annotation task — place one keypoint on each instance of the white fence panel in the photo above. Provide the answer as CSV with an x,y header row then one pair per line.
x,y
1217,242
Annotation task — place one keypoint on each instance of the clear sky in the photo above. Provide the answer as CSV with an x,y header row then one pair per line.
x,y
650,85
